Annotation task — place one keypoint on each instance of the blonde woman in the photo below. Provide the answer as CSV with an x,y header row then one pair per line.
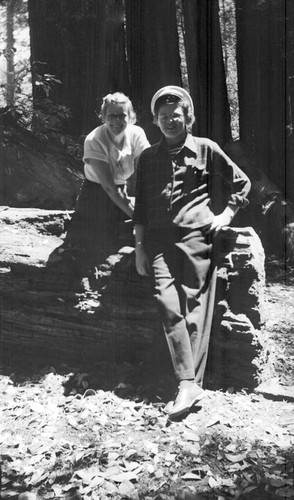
x,y
111,152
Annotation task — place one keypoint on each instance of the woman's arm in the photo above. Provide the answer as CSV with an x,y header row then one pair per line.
x,y
142,261
105,178
238,185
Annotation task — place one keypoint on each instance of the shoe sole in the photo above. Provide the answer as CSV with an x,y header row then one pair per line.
x,y
188,408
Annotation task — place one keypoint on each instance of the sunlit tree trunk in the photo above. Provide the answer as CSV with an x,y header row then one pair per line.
x,y
9,53
153,52
206,69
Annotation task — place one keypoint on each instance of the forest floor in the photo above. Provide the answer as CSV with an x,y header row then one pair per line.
x,y
62,437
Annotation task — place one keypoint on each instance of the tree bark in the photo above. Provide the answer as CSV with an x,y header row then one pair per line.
x,y
206,69
261,64
289,187
153,53
82,43
289,25
9,53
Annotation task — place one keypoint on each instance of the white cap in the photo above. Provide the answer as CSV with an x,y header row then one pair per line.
x,y
172,90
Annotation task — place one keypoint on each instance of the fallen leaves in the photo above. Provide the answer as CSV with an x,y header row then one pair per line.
x,y
96,445
235,458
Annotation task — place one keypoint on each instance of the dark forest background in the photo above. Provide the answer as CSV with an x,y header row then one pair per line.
x,y
235,57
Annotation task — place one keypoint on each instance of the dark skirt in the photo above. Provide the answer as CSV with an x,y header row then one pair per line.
x,y
97,220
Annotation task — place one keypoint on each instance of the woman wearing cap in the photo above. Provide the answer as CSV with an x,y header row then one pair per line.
x,y
110,153
180,184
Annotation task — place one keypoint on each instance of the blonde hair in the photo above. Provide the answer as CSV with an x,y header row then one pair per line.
x,y
118,98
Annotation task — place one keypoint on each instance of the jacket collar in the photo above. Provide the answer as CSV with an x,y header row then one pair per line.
x,y
190,143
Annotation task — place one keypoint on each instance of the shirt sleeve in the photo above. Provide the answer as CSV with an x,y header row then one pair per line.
x,y
140,142
94,148
235,183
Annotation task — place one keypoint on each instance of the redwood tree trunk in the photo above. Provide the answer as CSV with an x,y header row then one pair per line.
x,y
289,187
153,53
261,38
10,52
206,69
82,43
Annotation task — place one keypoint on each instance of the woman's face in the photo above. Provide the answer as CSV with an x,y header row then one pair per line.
x,y
116,118
172,122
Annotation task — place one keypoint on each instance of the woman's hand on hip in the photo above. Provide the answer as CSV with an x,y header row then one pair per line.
x,y
223,220
219,221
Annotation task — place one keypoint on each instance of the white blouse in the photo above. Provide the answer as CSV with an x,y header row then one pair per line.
x,y
100,146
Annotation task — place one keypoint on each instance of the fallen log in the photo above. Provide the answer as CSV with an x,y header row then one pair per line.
x,y
104,310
